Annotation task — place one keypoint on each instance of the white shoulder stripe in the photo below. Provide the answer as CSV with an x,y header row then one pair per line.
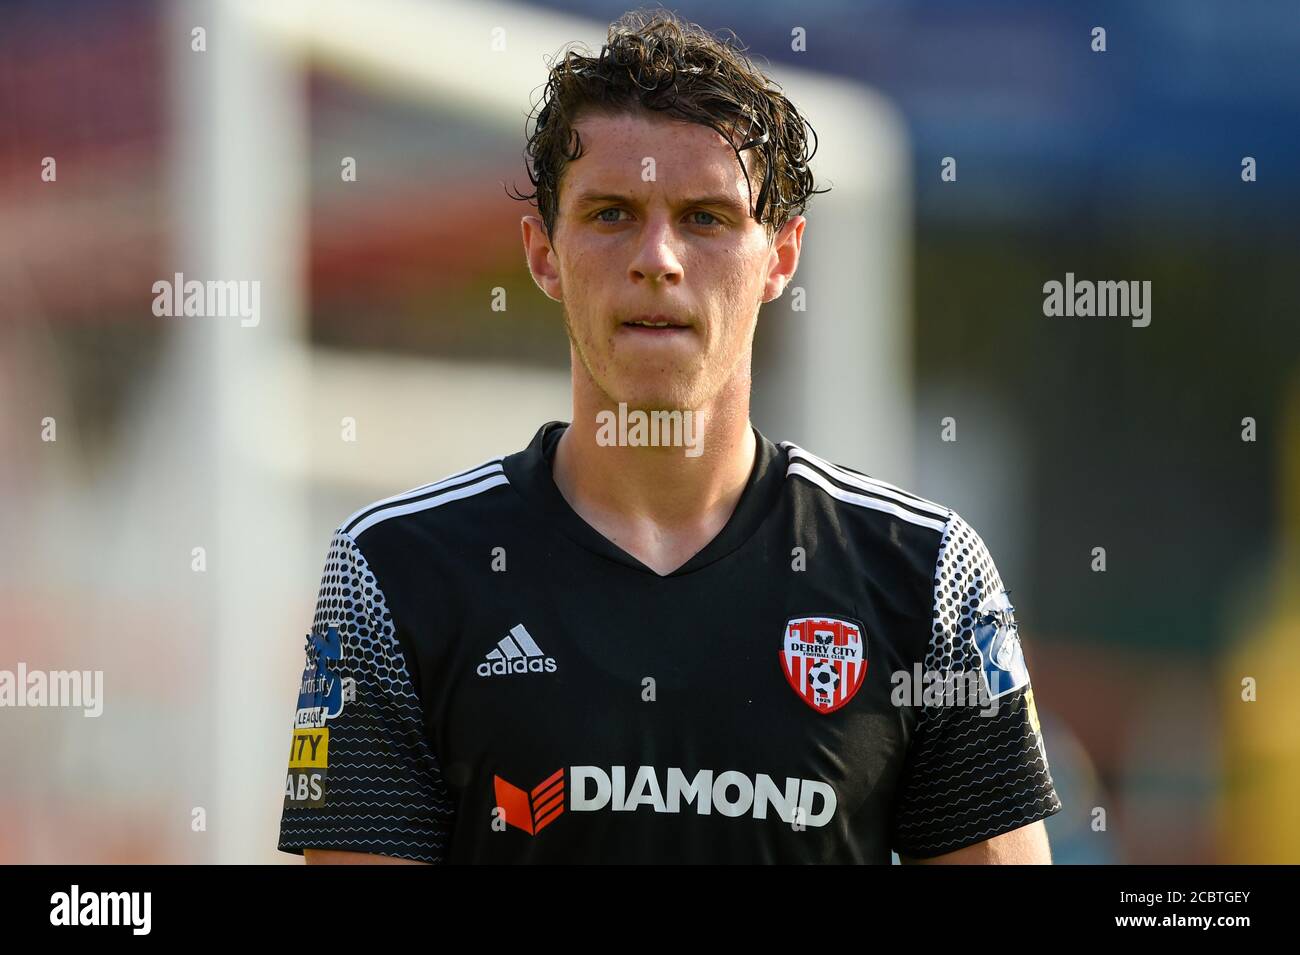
x,y
487,467
397,510
862,500
869,483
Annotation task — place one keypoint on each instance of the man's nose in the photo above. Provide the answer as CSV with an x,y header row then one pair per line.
x,y
656,256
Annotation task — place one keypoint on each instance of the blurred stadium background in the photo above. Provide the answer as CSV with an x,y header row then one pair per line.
x,y
924,301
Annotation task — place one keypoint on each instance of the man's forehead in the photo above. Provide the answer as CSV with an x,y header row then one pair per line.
x,y
686,156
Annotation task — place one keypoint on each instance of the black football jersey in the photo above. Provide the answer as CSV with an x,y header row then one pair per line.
x,y
836,675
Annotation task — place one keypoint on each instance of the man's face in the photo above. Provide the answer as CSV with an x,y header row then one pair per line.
x,y
653,227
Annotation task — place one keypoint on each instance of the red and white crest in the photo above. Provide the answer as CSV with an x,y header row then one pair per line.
x,y
824,659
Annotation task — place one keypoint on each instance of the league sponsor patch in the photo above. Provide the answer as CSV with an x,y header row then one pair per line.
x,y
309,749
998,641
1032,711
321,696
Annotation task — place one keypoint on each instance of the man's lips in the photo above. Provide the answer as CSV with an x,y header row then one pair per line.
x,y
657,322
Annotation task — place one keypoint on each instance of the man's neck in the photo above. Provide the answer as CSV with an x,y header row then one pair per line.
x,y
657,503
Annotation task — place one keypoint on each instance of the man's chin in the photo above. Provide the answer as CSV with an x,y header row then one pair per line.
x,y
660,392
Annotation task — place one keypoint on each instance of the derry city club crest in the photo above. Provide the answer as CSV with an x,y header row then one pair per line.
x,y
824,659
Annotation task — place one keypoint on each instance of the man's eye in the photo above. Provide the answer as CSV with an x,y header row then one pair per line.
x,y
601,215
701,212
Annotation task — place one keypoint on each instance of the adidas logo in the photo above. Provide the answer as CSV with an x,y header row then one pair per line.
x,y
516,653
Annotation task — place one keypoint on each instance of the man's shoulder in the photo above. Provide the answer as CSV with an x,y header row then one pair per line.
x,y
862,497
450,506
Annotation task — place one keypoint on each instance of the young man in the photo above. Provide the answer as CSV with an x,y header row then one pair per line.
x,y
707,648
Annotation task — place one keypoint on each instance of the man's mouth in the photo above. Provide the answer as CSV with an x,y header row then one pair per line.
x,y
658,323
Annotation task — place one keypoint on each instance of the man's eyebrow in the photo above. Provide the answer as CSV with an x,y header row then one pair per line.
x,y
718,199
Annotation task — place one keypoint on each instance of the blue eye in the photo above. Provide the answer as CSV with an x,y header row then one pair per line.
x,y
612,216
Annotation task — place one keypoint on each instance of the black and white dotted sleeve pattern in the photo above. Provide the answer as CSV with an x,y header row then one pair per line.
x,y
381,790
969,777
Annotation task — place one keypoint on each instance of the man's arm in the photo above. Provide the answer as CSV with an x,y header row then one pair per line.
x,y
341,857
1024,846
976,785
362,777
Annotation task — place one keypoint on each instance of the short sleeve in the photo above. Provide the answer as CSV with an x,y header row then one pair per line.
x,y
361,773
977,764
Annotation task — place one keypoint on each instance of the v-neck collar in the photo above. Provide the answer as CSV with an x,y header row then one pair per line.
x,y
529,472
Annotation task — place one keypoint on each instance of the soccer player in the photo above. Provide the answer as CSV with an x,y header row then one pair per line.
x,y
654,635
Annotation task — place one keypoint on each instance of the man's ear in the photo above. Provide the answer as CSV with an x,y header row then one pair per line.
x,y
783,257
542,264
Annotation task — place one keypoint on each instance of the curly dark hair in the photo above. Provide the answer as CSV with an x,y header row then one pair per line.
x,y
654,60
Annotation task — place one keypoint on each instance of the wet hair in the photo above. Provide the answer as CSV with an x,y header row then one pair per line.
x,y
652,60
